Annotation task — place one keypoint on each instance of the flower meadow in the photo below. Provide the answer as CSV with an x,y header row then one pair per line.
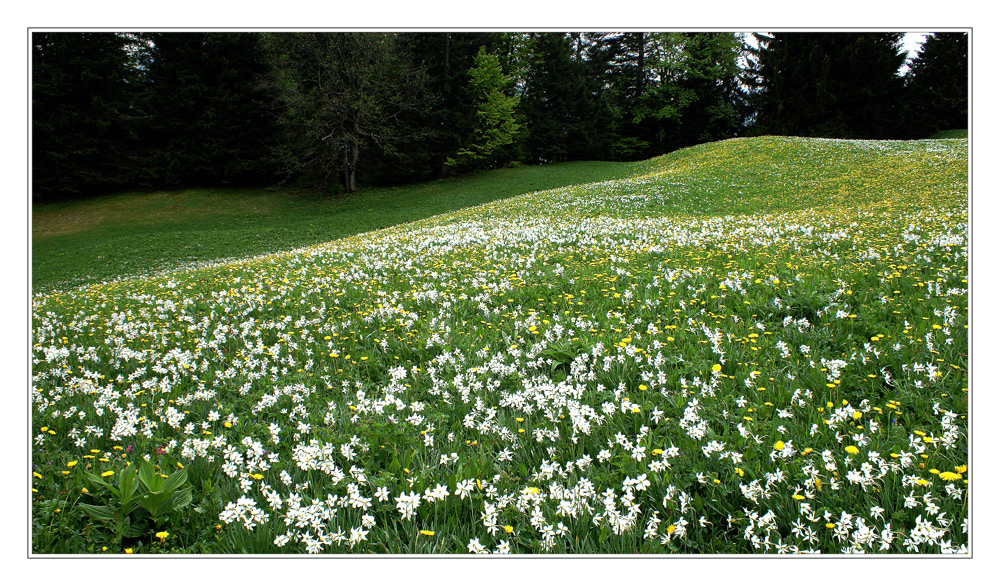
x,y
751,347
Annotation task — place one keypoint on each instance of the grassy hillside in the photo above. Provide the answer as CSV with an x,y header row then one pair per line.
x,y
99,239
752,346
963,133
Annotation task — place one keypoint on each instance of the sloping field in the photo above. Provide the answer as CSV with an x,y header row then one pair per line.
x,y
754,346
135,234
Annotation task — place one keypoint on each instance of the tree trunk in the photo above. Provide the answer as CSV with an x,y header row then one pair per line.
x,y
351,155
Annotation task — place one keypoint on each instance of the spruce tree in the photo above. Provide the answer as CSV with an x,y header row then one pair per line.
x,y
446,59
83,113
496,124
840,85
937,85
566,117
209,123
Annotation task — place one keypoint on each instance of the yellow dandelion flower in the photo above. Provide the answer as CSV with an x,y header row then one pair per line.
x,y
108,473
425,532
716,368
852,449
779,445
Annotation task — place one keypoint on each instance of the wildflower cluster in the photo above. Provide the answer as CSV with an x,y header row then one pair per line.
x,y
619,367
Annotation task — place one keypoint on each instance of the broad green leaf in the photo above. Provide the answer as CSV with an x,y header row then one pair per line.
x,y
100,482
98,512
154,501
182,498
135,529
128,485
150,479
175,481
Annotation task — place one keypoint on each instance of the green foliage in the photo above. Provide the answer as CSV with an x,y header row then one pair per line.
x,y
670,90
140,497
495,112
696,101
567,116
834,85
341,97
450,120
334,111
89,241
545,352
208,121
937,85
83,115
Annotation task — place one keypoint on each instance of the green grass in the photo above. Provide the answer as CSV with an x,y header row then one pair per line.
x,y
964,133
753,346
95,240
138,233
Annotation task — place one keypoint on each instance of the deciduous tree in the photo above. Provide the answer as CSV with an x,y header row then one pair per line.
x,y
343,95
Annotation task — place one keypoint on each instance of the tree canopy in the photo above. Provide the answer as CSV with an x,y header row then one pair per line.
x,y
937,84
334,111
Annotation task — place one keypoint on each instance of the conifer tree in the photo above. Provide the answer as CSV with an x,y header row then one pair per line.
x,y
496,124
208,122
83,113
566,116
937,85
840,85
